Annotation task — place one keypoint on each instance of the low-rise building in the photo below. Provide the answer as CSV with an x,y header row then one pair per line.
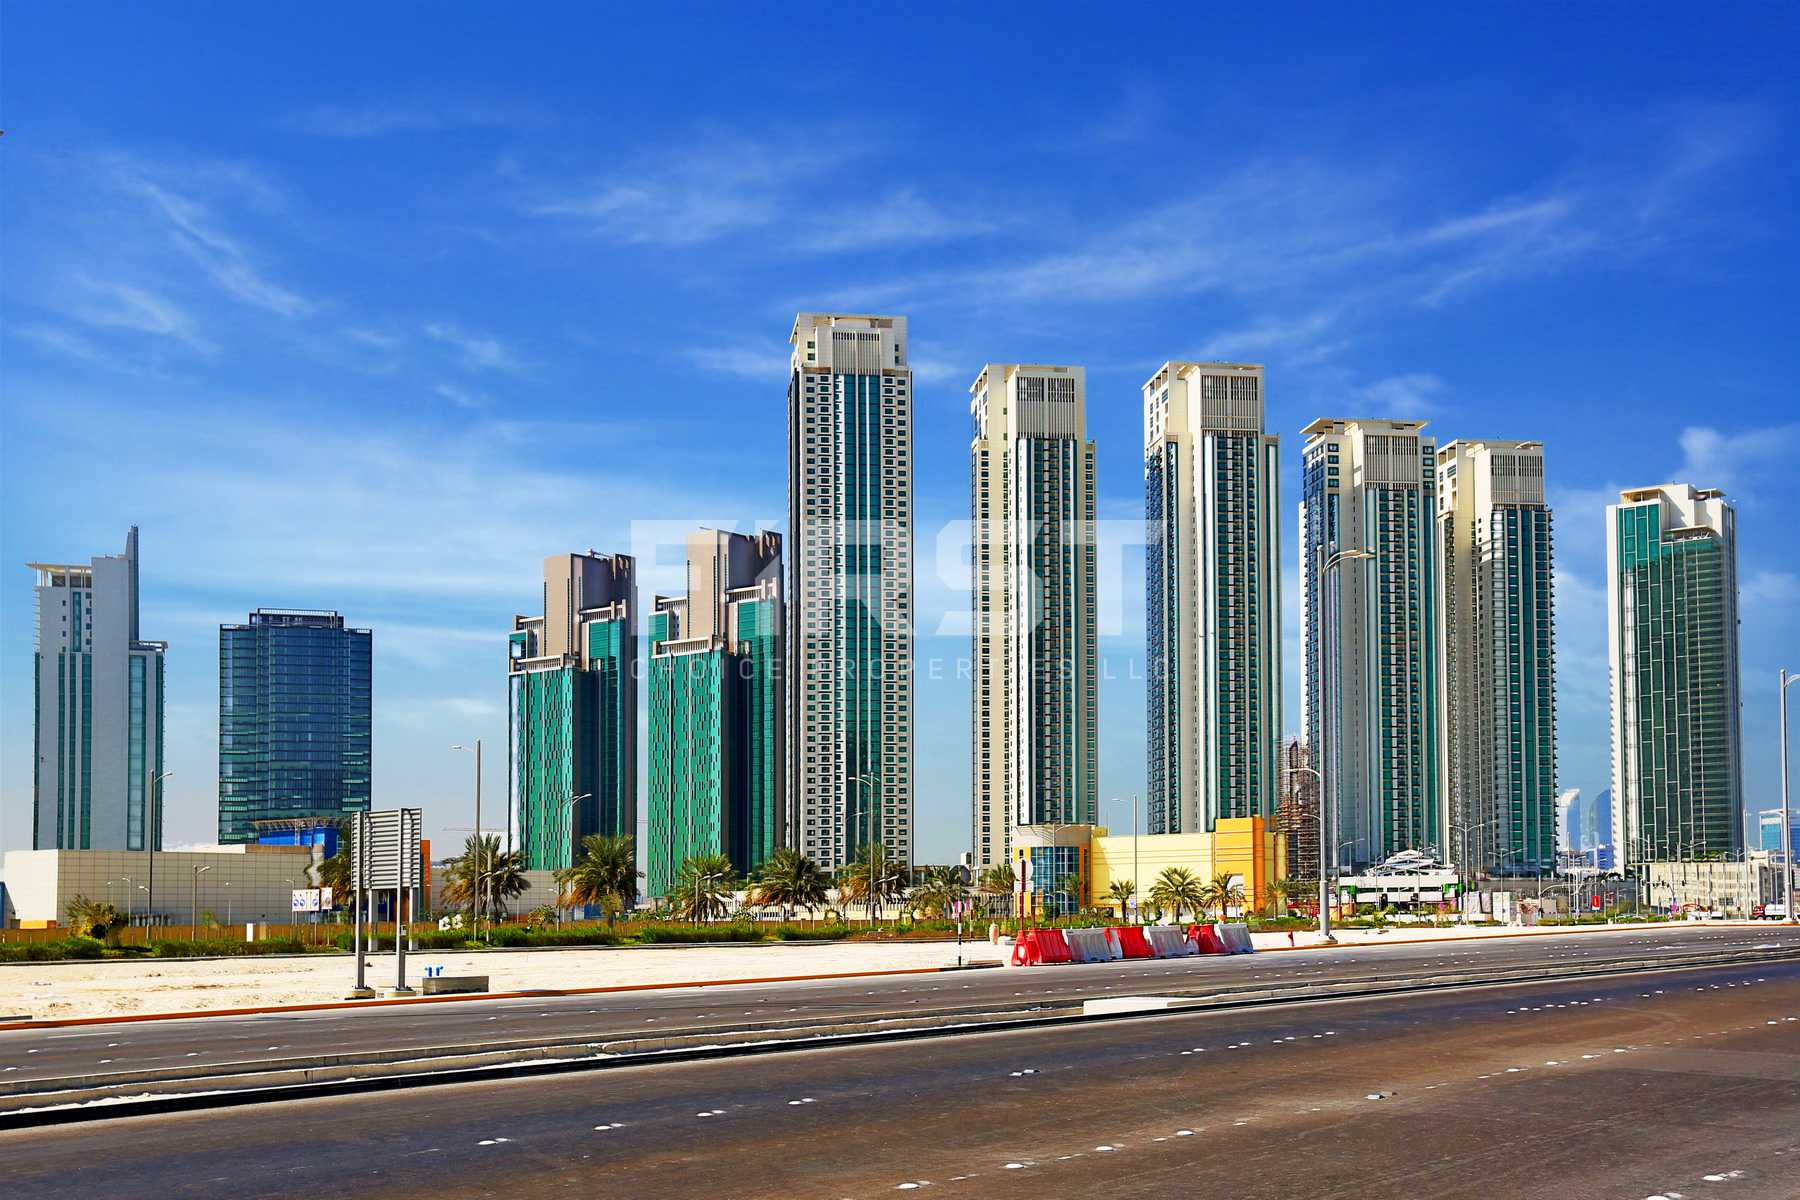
x,y
233,883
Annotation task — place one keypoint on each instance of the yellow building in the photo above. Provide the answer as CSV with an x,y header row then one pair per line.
x,y
1247,848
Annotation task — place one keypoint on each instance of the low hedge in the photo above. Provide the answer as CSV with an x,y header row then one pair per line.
x,y
57,951
225,948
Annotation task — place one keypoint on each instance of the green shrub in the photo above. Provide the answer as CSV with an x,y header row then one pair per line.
x,y
811,933
57,951
676,934
226,948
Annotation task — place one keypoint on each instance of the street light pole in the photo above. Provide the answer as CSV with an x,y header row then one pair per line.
x,y
1786,836
194,895
875,854
1326,830
152,836
1324,875
475,907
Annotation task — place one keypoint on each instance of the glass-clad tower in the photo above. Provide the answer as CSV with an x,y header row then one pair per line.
x,y
294,720
572,710
1035,658
1369,635
716,767
1212,597
1498,657
98,689
1672,635
850,587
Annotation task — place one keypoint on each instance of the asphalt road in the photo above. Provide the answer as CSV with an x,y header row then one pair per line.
x,y
70,1053
1666,1084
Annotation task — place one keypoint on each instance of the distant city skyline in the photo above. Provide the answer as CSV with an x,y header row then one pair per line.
x,y
393,326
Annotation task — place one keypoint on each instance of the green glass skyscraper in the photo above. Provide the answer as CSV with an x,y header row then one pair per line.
x,y
1212,603
572,710
294,720
1034,678
1497,650
1671,591
850,571
1369,637
716,763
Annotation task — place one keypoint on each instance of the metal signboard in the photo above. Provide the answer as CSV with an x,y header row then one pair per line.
x,y
387,847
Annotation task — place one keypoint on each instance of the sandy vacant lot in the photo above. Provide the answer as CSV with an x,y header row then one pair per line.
x,y
81,989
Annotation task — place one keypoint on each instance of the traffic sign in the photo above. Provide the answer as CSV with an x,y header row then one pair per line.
x,y
386,847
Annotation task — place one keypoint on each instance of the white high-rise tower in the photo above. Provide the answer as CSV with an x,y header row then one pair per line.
x,y
1034,655
850,564
1212,597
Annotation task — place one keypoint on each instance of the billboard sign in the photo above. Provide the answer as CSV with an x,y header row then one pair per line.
x,y
387,847
306,900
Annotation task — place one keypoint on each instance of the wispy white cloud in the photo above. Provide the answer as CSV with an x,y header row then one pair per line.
x,y
384,118
475,351
115,305
1416,394
460,396
1769,589
743,361
902,218
195,228
1735,461
685,197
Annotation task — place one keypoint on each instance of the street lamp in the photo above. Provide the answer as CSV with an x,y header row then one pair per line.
x,y
1326,809
475,909
875,853
131,886
194,895
1324,874
567,839
152,836
1787,830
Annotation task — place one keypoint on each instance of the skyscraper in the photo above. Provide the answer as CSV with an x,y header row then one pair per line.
x,y
1212,595
1034,635
1498,656
99,709
294,720
1369,639
1671,597
572,709
850,591
717,771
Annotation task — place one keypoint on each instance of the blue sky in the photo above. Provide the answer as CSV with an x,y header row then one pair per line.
x,y
371,310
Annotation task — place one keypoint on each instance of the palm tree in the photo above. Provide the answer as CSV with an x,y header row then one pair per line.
x,y
938,891
1280,895
790,879
1176,890
93,918
484,869
703,887
606,874
871,878
1122,890
339,871
1221,893
999,878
